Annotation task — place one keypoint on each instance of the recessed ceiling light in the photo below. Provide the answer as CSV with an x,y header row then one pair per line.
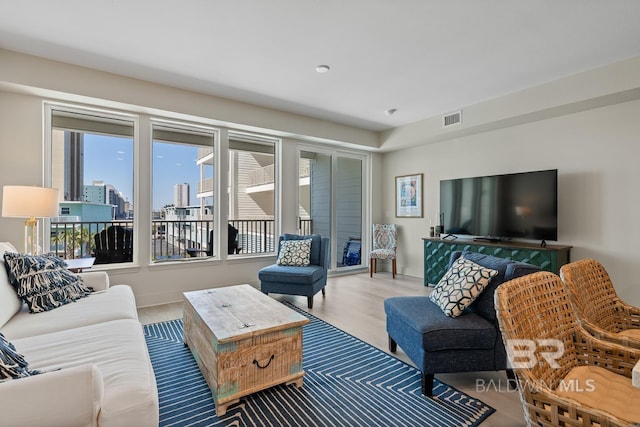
x,y
322,68
390,111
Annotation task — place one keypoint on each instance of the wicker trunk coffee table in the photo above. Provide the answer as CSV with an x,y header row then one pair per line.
x,y
243,341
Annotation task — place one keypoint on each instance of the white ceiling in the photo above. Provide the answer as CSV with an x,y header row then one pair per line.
x,y
421,57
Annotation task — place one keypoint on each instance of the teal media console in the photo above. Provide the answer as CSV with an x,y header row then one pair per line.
x,y
437,253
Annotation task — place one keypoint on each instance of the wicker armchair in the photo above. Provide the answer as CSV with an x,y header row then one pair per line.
x,y
600,311
584,381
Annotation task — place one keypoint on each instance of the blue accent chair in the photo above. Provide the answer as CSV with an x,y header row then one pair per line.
x,y
305,281
439,344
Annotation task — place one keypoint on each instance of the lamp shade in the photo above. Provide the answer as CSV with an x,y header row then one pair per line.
x,y
29,202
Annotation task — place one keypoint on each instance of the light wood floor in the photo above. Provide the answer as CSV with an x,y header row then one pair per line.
x,y
354,303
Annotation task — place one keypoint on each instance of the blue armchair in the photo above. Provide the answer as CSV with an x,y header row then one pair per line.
x,y
439,344
296,280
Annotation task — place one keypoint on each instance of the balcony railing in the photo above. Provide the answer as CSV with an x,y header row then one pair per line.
x,y
205,185
170,239
76,239
304,225
261,176
266,174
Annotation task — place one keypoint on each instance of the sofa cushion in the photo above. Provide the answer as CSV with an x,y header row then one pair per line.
x,y
600,389
630,333
424,322
116,302
43,281
307,275
9,302
460,286
119,351
12,364
382,253
507,270
294,253
316,245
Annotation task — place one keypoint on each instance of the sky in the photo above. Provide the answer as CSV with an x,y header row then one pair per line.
x,y
110,159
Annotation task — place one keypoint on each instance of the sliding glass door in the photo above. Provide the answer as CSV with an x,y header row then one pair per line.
x,y
331,193
349,212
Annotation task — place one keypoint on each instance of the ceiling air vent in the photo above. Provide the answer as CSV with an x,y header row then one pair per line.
x,y
452,119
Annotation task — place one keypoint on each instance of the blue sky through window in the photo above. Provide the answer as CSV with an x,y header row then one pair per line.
x,y
110,159
173,164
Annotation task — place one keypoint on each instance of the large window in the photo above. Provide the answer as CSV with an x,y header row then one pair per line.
x,y
195,206
252,193
92,165
183,192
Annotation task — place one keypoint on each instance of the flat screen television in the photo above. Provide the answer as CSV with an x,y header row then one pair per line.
x,y
519,205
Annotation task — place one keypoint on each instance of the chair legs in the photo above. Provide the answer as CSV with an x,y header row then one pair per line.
x,y
512,381
373,267
310,299
426,379
427,384
393,346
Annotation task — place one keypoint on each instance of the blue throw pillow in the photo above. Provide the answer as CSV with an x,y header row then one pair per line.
x,y
12,363
43,281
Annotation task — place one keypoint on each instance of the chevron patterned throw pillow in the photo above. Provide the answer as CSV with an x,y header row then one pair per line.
x,y
295,253
460,286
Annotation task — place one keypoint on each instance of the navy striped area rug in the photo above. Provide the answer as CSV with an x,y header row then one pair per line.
x,y
347,383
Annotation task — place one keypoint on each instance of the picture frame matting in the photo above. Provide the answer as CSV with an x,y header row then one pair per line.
x,y
409,196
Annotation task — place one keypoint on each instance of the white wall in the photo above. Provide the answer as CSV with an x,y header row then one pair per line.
x,y
21,164
26,82
597,155
586,126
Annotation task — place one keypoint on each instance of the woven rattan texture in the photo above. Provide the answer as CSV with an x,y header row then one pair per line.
x,y
599,308
537,306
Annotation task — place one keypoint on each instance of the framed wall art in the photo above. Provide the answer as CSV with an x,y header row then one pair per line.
x,y
409,196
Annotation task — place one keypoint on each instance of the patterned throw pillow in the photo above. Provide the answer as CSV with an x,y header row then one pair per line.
x,y
12,363
460,286
43,281
294,253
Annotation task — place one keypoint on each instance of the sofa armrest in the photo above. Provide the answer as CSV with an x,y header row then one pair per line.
x,y
67,397
98,280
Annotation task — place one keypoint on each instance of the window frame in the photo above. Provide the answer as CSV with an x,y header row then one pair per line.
x,y
186,126
48,110
142,174
236,139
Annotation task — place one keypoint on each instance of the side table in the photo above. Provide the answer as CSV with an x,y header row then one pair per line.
x,y
76,265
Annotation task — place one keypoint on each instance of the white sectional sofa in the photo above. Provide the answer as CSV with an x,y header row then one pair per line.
x,y
96,368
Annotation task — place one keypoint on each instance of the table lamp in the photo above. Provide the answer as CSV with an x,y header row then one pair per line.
x,y
29,202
